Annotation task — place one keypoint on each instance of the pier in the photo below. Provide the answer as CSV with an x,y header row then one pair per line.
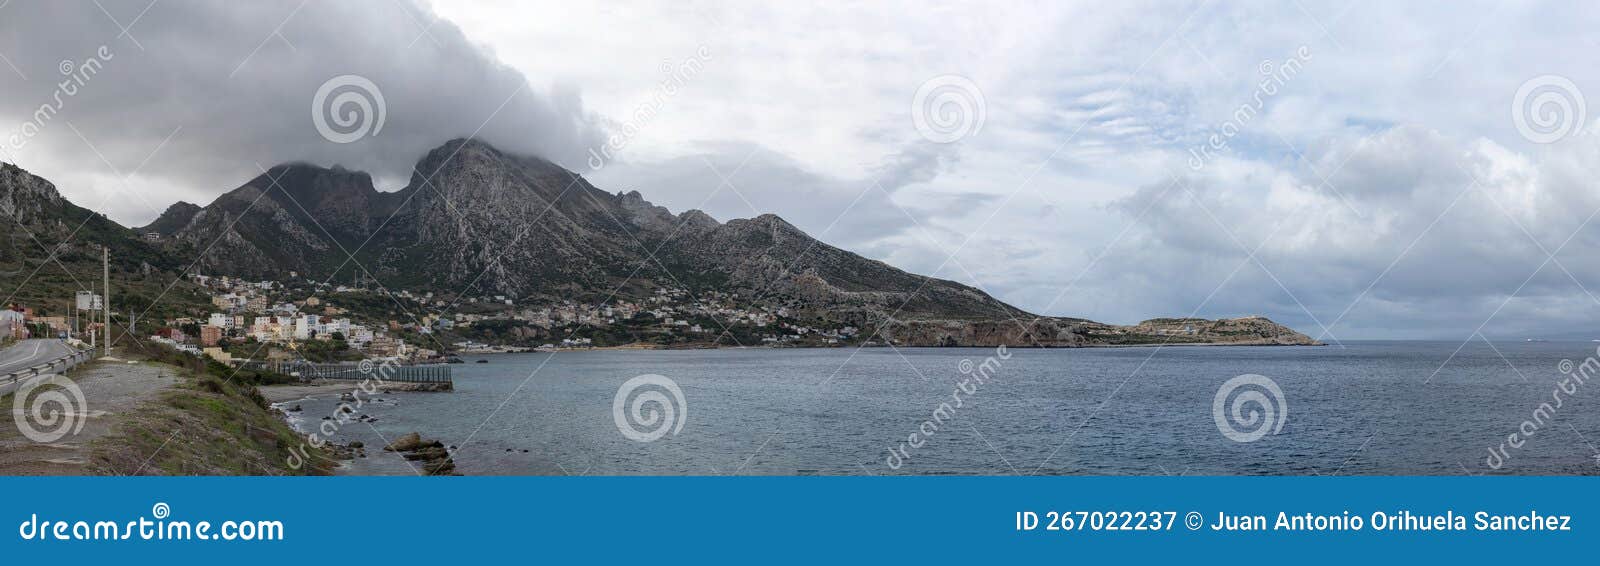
x,y
432,373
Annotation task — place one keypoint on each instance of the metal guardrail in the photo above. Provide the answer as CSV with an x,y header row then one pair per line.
x,y
58,365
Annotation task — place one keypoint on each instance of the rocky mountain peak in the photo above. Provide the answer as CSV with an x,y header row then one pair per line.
x,y
173,219
38,213
695,219
18,187
31,202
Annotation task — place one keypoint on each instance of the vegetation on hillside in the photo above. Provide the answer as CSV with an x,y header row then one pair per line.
x,y
214,423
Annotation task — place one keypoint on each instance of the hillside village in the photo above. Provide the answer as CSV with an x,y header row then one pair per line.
x,y
283,317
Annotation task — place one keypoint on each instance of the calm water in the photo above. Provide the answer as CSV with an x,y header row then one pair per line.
x,y
1367,408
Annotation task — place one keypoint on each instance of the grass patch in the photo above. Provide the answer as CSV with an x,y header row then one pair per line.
x,y
210,424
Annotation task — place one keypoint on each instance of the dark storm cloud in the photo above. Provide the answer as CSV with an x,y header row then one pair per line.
x,y
236,81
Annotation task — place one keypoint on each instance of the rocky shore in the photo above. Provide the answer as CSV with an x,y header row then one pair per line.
x,y
294,403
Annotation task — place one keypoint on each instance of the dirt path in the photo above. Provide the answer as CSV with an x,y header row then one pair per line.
x,y
111,391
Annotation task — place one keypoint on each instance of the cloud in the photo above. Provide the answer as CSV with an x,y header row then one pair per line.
x,y
207,91
1414,232
743,180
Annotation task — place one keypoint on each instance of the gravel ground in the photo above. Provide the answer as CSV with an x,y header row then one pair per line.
x,y
111,390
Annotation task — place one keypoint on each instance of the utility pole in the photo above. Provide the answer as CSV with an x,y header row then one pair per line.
x,y
105,267
88,320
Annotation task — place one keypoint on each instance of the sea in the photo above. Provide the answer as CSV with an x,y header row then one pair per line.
x,y
1356,408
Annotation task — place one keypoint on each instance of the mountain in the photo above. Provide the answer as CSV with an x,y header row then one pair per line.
x,y
525,227
53,248
293,217
173,219
475,220
39,218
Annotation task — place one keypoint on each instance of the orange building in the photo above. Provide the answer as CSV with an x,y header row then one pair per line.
x,y
210,335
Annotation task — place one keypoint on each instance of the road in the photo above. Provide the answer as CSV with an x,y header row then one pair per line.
x,y
29,353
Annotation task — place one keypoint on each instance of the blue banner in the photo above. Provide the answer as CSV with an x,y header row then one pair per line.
x,y
747,520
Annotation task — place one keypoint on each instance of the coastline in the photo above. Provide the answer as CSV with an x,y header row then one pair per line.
x,y
409,454
278,394
713,346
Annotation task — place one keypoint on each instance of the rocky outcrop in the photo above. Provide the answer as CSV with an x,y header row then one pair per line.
x,y
431,454
1019,333
28,199
176,218
417,387
1072,333
37,218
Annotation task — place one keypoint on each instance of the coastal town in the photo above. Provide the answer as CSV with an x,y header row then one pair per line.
x,y
301,318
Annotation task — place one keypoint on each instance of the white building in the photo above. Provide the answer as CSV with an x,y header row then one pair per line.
x,y
305,326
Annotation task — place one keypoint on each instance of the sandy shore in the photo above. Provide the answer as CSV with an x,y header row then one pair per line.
x,y
281,393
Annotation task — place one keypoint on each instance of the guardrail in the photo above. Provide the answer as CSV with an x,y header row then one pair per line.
x,y
64,363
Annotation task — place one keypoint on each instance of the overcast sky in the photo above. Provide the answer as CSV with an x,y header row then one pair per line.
x,y
1352,169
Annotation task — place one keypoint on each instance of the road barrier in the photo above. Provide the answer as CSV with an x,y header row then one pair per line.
x,y
8,382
